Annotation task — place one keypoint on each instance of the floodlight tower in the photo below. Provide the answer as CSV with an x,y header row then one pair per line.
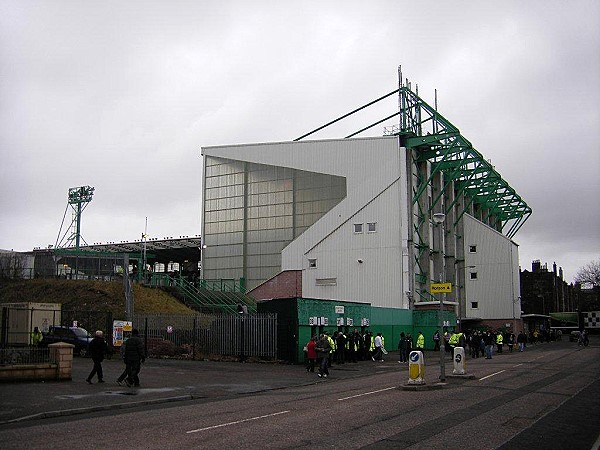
x,y
78,200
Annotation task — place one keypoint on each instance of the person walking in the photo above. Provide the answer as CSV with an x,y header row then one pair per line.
x,y
499,341
36,337
134,357
521,341
489,345
402,346
420,342
510,341
323,347
123,375
436,341
474,341
311,355
97,349
378,352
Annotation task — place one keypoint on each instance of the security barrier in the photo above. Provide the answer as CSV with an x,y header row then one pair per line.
x,y
460,363
416,368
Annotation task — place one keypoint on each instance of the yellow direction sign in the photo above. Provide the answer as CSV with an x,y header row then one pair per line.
x,y
440,288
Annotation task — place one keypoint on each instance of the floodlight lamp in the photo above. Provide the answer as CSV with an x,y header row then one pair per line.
x,y
439,218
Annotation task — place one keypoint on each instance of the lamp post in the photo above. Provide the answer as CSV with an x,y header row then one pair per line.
x,y
438,219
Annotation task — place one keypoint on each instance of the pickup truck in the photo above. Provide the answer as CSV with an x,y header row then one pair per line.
x,y
79,337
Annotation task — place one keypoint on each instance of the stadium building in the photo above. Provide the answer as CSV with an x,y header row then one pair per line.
x,y
352,232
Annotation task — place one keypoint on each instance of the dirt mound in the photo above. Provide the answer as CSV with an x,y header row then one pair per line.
x,y
90,295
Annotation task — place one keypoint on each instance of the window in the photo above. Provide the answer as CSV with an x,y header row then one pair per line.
x,y
473,275
312,263
326,282
358,227
474,305
472,249
371,227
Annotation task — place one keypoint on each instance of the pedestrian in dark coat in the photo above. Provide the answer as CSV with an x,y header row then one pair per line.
x,y
97,349
403,348
323,347
134,357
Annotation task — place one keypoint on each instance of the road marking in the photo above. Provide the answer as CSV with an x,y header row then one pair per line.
x,y
481,379
366,393
519,365
236,422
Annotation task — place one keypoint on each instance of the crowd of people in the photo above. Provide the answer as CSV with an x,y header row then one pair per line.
x,y
339,348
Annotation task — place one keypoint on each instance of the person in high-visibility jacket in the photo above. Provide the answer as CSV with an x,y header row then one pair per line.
x,y
36,337
331,348
420,341
499,341
453,341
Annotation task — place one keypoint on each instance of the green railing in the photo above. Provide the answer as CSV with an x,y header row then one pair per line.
x,y
214,295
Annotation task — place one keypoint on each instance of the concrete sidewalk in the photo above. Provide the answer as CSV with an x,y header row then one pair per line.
x,y
161,381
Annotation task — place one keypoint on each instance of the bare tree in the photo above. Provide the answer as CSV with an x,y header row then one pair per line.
x,y
11,265
589,275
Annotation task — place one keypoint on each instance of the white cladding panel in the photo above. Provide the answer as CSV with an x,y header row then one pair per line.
x,y
367,266
372,168
495,259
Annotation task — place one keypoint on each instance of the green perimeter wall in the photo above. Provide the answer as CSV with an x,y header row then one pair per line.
x,y
428,322
390,322
294,327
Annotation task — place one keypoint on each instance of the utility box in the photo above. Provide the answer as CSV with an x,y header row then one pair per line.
x,y
20,318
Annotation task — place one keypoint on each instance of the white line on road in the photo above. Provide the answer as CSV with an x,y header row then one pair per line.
x,y
519,365
237,421
367,393
481,379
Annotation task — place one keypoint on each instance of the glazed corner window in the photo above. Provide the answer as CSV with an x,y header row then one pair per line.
x,y
474,305
371,227
358,227
312,263
473,275
472,249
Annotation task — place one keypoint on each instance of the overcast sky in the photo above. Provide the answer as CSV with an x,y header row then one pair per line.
x,y
121,96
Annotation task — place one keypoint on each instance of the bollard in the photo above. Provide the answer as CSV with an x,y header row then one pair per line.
x,y
416,368
460,363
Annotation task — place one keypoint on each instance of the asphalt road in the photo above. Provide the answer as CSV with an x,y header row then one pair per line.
x,y
547,397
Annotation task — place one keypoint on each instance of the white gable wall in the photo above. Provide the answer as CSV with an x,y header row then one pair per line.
x,y
496,261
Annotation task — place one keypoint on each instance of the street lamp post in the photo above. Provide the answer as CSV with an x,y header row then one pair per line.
x,y
438,219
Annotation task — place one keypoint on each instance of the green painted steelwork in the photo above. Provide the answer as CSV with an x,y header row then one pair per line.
x,y
435,141
438,151
78,200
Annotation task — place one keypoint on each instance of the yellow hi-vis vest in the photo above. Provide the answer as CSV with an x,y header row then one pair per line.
x,y
453,339
499,338
331,344
420,341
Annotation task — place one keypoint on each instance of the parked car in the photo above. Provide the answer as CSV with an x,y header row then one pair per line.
x,y
79,337
574,336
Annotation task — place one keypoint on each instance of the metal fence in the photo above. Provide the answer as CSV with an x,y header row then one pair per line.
x,y
205,335
184,336
17,323
25,355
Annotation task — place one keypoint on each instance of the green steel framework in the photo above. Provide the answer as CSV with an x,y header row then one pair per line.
x,y
79,198
439,150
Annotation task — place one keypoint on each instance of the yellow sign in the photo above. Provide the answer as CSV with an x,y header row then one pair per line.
x,y
440,288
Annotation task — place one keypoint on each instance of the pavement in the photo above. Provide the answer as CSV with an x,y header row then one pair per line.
x,y
161,381
165,381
